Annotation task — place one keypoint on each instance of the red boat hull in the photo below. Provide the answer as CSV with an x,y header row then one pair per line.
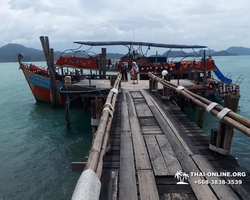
x,y
39,86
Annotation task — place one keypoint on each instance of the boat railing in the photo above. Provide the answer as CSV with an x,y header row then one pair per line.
x,y
184,57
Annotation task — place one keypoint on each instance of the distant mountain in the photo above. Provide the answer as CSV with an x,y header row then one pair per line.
x,y
239,50
114,55
183,53
9,52
223,53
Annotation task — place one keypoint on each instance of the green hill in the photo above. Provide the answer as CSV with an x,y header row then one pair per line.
x,y
223,53
9,52
239,50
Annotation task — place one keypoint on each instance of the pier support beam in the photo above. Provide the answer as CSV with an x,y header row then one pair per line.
x,y
103,64
225,132
49,56
200,117
112,80
166,90
96,107
67,110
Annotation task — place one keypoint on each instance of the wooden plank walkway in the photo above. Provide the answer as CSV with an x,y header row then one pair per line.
x,y
150,142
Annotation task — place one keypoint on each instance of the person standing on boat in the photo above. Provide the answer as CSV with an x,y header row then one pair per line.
x,y
135,68
124,72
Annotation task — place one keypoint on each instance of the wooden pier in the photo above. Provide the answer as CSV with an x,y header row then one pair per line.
x,y
150,142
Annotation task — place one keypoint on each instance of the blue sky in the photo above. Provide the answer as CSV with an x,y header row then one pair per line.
x,y
217,24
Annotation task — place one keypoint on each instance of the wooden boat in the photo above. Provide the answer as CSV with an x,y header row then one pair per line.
x,y
146,64
38,78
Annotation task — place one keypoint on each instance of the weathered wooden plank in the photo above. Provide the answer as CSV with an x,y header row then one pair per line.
x,y
125,126
222,191
201,142
198,137
170,128
148,121
111,165
127,179
179,196
175,189
157,160
186,142
194,135
168,154
223,163
243,189
109,190
141,155
113,185
136,94
151,132
147,185
147,97
220,157
151,128
182,151
166,180
143,110
111,158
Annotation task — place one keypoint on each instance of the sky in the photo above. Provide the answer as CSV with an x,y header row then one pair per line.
x,y
218,24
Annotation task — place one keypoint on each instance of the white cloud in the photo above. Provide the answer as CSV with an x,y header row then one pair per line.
x,y
218,24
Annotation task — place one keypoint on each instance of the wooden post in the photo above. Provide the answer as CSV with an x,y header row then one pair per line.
x,y
49,56
222,126
200,117
99,64
104,62
67,111
234,101
112,80
93,117
189,70
155,86
96,111
166,90
62,76
150,83
204,68
198,75
98,107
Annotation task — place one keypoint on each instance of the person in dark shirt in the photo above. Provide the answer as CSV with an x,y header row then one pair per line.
x,y
124,72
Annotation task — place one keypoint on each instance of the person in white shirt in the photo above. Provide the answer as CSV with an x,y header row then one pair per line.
x,y
135,68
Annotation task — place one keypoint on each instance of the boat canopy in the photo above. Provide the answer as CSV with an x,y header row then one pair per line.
x,y
149,44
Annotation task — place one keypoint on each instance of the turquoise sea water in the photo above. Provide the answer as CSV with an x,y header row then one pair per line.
x,y
236,65
37,149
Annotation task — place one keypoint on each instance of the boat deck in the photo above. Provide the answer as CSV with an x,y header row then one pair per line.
x,y
142,84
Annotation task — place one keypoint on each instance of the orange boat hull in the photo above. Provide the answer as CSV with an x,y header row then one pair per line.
x,y
40,86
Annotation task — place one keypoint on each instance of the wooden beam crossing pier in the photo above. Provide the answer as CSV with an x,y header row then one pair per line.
x,y
145,148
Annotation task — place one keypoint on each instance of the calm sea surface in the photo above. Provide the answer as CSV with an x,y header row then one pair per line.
x,y
36,148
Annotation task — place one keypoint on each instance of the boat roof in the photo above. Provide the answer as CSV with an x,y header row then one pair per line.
x,y
149,44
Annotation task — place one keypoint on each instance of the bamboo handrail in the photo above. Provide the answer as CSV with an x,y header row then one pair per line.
x,y
240,123
95,159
